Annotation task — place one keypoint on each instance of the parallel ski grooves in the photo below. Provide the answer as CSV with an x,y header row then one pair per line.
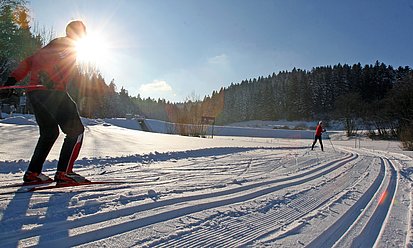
x,y
121,228
242,233
371,231
330,236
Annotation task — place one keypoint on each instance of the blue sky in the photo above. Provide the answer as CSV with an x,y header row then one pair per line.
x,y
175,49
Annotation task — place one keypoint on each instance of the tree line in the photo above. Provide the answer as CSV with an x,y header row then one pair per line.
x,y
376,97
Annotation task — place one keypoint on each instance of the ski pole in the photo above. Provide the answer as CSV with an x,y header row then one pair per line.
x,y
331,143
22,87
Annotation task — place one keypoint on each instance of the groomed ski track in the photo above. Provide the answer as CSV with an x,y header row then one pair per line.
x,y
236,198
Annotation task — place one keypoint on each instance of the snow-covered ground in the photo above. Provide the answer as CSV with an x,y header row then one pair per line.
x,y
221,192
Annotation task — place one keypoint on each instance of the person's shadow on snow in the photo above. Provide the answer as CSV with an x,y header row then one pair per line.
x,y
24,223
12,223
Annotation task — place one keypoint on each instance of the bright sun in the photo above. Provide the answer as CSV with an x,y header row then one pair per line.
x,y
92,49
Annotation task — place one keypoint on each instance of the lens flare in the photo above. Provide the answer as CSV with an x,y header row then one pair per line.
x,y
92,49
383,197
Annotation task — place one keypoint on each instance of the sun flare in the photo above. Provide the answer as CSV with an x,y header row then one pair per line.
x,y
92,49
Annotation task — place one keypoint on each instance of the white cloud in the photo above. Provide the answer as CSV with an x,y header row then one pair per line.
x,y
221,59
156,86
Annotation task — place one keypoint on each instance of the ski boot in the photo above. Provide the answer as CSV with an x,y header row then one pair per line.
x,y
35,178
62,177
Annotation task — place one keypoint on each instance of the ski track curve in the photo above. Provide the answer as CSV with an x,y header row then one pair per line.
x,y
176,212
244,232
289,193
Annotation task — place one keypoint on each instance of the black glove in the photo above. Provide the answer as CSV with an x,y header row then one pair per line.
x,y
4,94
10,81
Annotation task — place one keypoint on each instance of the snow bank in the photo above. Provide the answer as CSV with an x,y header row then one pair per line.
x,y
18,119
169,128
157,126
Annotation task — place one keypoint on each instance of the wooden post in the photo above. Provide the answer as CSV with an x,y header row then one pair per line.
x,y
210,121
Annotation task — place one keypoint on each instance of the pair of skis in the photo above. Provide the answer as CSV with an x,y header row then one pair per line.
x,y
33,187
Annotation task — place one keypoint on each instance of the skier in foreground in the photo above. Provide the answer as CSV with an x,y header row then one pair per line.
x,y
318,131
53,66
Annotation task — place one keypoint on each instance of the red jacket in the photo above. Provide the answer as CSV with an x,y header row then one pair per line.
x,y
318,130
51,66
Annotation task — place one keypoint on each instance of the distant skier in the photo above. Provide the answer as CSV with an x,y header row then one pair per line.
x,y
318,131
53,66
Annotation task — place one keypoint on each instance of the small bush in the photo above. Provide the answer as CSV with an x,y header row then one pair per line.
x,y
406,137
301,126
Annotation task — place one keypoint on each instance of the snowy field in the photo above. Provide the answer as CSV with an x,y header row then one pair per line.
x,y
222,192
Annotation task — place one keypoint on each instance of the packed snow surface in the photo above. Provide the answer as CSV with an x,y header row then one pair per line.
x,y
228,191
